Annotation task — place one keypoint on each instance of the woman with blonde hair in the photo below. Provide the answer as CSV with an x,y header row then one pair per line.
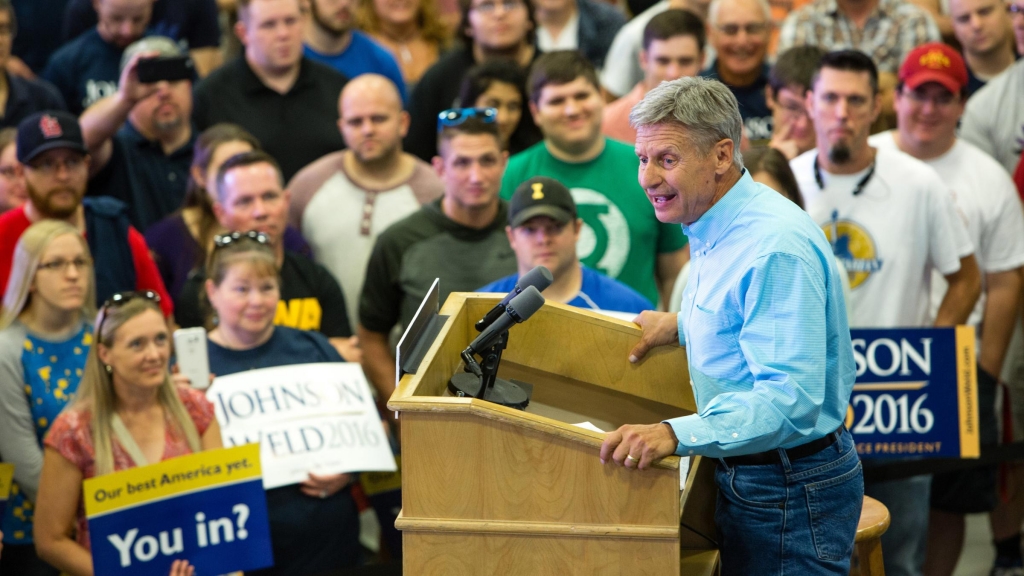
x,y
44,342
127,413
412,30
314,525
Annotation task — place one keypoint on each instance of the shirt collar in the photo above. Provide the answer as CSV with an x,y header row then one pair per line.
x,y
132,136
709,228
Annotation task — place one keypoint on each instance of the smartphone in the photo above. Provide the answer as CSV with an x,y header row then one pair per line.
x,y
190,351
169,68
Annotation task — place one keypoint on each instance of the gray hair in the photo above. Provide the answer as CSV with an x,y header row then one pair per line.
x,y
716,5
705,108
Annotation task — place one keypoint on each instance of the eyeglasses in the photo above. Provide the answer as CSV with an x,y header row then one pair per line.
x,y
456,116
222,240
50,166
62,265
752,29
489,6
120,299
940,100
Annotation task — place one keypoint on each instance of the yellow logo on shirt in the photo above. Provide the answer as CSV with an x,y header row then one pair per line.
x,y
301,313
854,247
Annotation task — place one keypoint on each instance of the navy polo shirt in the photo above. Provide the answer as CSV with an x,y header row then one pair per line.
x,y
139,174
757,117
26,97
295,128
84,70
38,26
191,22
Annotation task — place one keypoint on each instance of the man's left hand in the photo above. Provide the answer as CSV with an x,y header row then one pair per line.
x,y
637,446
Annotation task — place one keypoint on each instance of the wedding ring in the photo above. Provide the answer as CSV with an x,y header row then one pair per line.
x,y
630,457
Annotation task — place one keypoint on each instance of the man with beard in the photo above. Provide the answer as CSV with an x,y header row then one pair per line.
x,y
892,221
621,235
331,40
87,68
343,201
288,102
140,139
56,165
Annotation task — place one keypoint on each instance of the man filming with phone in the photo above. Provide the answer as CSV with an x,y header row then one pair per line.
x,y
141,137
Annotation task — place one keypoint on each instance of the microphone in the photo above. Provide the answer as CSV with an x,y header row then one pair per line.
x,y
519,309
540,277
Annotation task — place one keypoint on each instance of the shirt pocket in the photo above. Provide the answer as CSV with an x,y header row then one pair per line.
x,y
714,346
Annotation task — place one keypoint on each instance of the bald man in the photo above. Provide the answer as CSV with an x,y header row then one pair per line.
x,y
344,200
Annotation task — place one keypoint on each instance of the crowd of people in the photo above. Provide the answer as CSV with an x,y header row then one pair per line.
x,y
322,162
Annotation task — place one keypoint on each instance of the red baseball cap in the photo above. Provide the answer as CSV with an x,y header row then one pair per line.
x,y
934,62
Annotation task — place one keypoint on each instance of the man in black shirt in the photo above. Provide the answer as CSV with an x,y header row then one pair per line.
x,y
140,139
459,239
251,196
288,102
21,97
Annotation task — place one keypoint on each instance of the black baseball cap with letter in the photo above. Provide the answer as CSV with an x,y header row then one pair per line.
x,y
541,196
48,130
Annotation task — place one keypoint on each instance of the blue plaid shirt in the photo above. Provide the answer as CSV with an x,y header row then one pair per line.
x,y
765,329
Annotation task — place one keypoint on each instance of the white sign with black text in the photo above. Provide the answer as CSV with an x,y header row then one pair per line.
x,y
317,418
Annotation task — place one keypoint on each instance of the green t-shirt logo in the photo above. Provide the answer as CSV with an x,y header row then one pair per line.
x,y
605,239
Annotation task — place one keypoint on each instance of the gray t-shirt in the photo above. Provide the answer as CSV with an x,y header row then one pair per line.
x,y
994,119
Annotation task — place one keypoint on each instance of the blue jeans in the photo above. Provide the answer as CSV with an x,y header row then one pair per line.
x,y
791,518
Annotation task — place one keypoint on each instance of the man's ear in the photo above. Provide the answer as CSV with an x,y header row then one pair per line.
x,y
218,212
534,111
724,151
643,60
403,123
438,164
240,31
511,238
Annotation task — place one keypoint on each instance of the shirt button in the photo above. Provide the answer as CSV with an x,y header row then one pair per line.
x,y
693,438
735,435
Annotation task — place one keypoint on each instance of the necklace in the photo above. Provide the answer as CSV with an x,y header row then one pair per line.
x,y
856,189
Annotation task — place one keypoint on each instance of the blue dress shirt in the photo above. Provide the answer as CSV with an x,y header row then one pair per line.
x,y
765,329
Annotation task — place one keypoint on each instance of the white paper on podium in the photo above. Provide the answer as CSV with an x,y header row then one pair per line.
x,y
589,426
307,418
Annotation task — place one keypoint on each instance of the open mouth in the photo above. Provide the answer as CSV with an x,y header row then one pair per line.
x,y
661,199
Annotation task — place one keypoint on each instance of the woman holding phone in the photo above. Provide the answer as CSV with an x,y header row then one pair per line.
x,y
314,526
44,341
127,413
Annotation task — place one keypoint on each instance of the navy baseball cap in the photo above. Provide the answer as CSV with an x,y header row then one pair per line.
x,y
44,131
541,196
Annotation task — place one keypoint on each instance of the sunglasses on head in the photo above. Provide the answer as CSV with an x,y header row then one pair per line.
x,y
222,240
120,299
456,116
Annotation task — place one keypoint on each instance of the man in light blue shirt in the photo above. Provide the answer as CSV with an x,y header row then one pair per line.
x,y
764,325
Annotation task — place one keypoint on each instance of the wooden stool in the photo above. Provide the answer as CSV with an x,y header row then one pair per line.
x,y
867,551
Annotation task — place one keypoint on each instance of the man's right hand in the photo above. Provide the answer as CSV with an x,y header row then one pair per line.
x,y
659,329
129,89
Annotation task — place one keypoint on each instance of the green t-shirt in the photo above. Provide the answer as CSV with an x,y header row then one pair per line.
x,y
621,235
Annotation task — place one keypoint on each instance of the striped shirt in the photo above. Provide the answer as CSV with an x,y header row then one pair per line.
x,y
894,29
765,329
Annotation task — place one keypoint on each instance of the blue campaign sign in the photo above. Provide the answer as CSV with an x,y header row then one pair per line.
x,y
915,393
208,508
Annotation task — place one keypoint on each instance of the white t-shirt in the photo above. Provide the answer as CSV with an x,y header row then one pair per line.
x,y
890,237
987,202
568,38
333,212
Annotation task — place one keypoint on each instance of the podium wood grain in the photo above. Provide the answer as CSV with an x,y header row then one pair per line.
x,y
492,490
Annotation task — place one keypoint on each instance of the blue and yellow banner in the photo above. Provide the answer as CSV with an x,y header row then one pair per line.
x,y
6,480
208,508
916,393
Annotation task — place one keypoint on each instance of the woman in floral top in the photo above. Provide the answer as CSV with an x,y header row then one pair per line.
x,y
127,387
44,341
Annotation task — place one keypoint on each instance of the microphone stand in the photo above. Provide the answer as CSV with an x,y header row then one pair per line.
x,y
481,380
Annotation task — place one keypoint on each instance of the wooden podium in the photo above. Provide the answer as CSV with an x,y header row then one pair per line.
x,y
492,490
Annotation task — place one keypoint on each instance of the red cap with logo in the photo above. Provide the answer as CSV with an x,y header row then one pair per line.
x,y
934,62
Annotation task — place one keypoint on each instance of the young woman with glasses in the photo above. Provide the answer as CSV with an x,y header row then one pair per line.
x,y
127,413
314,525
44,341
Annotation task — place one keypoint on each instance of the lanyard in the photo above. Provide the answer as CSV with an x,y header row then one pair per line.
x,y
856,189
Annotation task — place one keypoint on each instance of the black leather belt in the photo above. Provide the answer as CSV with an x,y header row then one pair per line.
x,y
796,453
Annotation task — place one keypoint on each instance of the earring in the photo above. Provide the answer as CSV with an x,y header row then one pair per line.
x,y
108,368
